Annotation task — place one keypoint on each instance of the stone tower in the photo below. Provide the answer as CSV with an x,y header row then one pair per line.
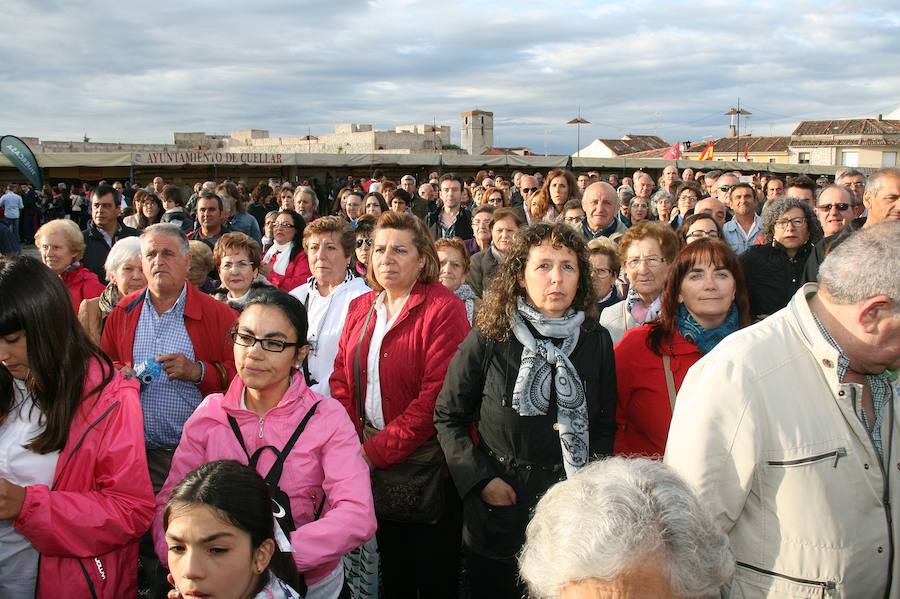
x,y
477,131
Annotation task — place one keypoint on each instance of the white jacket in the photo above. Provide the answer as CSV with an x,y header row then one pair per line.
x,y
617,320
326,321
771,441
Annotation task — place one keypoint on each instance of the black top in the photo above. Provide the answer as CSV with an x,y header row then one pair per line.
x,y
462,228
96,250
522,450
772,276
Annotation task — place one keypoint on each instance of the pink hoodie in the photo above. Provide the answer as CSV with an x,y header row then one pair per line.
x,y
325,464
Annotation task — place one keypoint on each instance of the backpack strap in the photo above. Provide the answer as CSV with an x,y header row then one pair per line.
x,y
670,379
237,433
274,474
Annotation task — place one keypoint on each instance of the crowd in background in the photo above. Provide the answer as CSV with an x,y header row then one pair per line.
x,y
545,385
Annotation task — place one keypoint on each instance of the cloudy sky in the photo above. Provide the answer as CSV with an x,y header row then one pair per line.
x,y
123,73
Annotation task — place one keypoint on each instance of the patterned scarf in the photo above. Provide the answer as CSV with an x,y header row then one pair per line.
x,y
641,312
706,339
543,365
109,298
468,297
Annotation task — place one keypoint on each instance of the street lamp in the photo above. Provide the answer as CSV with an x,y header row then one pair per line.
x,y
578,122
737,112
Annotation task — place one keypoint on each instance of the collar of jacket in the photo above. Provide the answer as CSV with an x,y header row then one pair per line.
x,y
416,296
296,394
802,252
824,353
94,232
192,308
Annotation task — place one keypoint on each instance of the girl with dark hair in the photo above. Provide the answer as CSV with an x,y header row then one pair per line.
x,y
286,261
230,503
301,441
559,187
75,495
704,300
536,379
150,212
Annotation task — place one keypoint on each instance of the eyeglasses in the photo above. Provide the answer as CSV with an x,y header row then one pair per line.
x,y
651,262
275,346
690,197
601,273
701,234
573,220
827,207
794,222
527,190
365,241
481,223
277,225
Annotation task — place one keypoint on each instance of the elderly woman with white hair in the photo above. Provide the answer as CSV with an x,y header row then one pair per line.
x,y
125,275
624,528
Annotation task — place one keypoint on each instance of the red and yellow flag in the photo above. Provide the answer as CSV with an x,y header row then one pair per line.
x,y
707,153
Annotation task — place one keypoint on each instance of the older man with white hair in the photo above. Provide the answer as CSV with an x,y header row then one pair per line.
x,y
623,528
601,204
789,432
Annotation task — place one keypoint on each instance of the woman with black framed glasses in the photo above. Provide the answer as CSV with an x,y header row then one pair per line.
x,y
269,411
774,269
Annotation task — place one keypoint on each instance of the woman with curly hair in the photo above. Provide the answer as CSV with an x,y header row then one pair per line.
x,y
536,379
774,269
559,187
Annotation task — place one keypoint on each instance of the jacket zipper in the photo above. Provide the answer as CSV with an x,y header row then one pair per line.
x,y
885,493
262,423
827,586
840,452
77,446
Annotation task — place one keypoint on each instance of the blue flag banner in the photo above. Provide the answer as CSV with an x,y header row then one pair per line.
x,y
23,158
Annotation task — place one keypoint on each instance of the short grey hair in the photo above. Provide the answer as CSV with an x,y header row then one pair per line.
x,y
778,207
873,184
122,250
876,247
170,229
615,514
850,173
312,194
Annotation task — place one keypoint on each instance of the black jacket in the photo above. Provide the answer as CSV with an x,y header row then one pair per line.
x,y
462,228
772,276
96,250
825,245
481,270
522,450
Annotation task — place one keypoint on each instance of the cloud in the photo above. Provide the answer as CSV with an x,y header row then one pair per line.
x,y
121,73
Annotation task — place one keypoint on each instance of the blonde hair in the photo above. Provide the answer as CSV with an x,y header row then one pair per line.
x,y
422,241
68,229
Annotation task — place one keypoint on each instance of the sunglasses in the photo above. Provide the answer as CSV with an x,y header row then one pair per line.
x,y
365,241
526,190
841,207
726,187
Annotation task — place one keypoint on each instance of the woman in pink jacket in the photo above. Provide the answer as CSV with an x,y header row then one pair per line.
x,y
75,492
326,508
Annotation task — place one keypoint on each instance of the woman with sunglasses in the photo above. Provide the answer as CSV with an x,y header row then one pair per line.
x,y
285,261
329,508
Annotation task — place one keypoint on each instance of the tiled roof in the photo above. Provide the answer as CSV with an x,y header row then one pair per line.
x,y
753,145
634,143
848,127
505,151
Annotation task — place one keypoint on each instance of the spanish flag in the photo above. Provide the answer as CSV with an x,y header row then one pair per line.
x,y
707,153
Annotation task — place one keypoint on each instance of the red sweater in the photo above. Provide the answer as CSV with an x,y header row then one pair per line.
x,y
643,411
416,353
82,284
207,322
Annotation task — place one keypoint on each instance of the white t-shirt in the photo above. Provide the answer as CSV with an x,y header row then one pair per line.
x,y
23,467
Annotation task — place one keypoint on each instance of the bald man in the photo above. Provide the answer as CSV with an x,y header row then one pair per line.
x,y
712,206
600,203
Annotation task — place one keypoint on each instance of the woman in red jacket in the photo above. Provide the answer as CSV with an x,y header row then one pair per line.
x,y
704,299
61,246
75,493
392,357
285,260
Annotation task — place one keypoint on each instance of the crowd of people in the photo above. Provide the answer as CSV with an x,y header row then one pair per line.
x,y
552,385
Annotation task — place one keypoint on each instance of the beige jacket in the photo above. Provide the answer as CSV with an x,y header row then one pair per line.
x,y
771,441
617,320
